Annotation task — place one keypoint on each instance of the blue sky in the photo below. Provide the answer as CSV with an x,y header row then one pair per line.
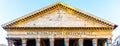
x,y
12,9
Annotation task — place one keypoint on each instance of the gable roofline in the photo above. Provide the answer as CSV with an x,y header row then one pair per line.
x,y
62,4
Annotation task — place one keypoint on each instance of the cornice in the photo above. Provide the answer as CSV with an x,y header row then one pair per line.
x,y
96,28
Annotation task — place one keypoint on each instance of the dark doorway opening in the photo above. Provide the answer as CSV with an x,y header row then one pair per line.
x,y
87,42
45,42
73,42
17,42
31,42
101,42
59,42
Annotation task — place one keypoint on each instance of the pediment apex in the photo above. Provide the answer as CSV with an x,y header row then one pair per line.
x,y
58,5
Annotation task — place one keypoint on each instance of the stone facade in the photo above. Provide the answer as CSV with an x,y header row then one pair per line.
x,y
59,25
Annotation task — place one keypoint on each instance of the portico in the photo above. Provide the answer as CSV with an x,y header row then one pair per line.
x,y
59,25
61,37
59,42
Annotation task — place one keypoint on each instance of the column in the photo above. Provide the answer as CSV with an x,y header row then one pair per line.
x,y
108,42
38,42
94,41
51,41
10,42
24,41
80,42
66,40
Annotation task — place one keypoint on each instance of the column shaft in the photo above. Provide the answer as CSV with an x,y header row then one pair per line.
x,y
94,42
66,40
106,43
51,41
109,42
38,42
10,42
80,42
24,41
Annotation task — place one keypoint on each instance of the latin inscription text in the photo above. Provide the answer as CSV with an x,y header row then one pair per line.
x,y
59,33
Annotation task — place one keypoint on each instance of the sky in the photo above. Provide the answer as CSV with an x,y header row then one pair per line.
x,y
12,9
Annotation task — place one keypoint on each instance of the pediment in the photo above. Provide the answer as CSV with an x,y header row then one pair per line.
x,y
60,18
59,15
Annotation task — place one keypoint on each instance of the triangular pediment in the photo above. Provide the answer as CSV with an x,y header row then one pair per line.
x,y
59,15
60,18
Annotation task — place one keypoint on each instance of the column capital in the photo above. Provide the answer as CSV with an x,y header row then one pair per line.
x,y
95,41
66,41
52,41
38,41
109,41
24,41
10,41
80,41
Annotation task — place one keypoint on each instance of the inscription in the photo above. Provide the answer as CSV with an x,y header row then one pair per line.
x,y
59,33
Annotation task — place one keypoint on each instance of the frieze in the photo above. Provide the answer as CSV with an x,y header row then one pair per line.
x,y
64,34
58,33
